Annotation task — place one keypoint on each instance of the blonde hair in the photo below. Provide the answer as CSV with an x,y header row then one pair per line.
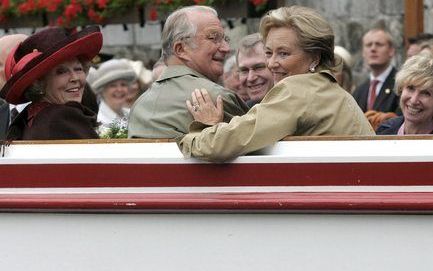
x,y
389,38
314,33
416,71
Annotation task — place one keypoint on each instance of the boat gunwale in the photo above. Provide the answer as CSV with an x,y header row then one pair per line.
x,y
168,140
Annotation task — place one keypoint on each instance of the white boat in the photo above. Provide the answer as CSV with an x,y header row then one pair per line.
x,y
303,204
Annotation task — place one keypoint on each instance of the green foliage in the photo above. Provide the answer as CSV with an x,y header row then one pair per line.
x,y
117,129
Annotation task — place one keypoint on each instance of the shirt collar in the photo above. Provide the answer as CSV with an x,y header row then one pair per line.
x,y
177,71
382,77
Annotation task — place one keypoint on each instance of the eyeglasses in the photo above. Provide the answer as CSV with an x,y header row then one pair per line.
x,y
244,71
217,37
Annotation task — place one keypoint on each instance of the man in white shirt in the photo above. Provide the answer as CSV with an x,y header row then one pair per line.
x,y
375,96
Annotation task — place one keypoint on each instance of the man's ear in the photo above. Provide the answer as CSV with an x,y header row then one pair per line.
x,y
180,50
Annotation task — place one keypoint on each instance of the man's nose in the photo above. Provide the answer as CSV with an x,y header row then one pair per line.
x,y
225,46
251,75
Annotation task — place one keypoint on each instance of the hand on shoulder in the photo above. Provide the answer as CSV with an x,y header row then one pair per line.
x,y
203,108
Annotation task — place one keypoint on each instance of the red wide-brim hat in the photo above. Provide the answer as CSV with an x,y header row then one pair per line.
x,y
43,51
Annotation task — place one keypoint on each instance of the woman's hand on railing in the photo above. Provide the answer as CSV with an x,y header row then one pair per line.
x,y
203,109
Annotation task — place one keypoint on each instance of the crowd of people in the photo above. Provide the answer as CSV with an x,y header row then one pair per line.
x,y
288,79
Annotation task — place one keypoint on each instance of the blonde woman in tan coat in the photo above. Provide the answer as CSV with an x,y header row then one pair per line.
x,y
306,99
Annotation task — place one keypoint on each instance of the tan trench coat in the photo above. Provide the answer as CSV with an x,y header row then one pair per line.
x,y
306,104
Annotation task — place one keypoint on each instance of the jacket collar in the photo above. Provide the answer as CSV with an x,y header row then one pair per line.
x,y
178,70
327,73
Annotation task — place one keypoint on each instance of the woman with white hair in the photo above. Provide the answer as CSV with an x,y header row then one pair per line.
x,y
344,76
140,84
414,85
111,82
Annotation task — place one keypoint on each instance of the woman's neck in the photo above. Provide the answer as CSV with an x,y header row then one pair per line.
x,y
411,128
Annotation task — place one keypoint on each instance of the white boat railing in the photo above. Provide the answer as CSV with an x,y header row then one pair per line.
x,y
307,174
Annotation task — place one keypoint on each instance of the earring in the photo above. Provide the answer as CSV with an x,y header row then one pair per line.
x,y
312,69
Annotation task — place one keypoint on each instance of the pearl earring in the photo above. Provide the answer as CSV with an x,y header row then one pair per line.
x,y
312,69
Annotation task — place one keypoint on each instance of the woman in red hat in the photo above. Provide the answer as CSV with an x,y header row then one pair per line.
x,y
49,69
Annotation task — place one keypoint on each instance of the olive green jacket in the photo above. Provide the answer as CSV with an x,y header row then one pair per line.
x,y
161,111
306,104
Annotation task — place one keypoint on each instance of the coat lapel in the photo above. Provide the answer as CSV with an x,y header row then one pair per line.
x,y
386,90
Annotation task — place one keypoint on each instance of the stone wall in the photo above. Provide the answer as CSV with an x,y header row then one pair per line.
x,y
350,19
428,16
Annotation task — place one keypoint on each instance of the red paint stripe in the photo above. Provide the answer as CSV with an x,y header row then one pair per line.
x,y
167,175
290,201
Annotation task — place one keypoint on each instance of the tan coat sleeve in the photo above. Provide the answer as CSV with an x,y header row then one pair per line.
x,y
264,124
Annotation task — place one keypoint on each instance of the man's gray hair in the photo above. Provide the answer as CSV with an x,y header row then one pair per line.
x,y
247,43
179,27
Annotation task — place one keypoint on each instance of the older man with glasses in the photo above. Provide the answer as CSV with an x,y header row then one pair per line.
x,y
194,48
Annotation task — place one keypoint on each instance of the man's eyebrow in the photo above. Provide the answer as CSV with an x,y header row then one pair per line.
x,y
261,64
212,29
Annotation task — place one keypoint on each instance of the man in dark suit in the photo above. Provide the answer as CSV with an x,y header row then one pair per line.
x,y
376,95
4,118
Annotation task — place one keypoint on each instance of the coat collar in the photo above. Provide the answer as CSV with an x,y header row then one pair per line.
x,y
327,73
34,109
178,70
